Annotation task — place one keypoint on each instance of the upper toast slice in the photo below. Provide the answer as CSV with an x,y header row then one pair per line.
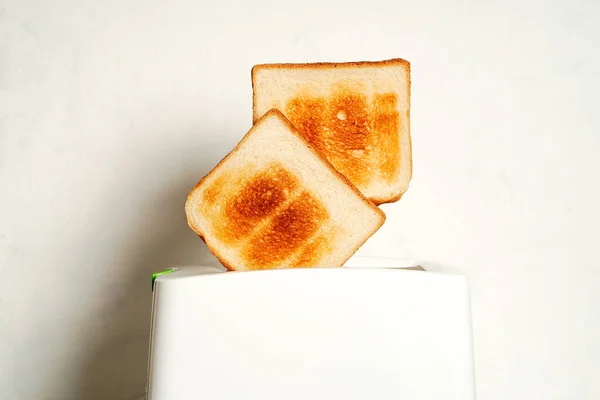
x,y
356,114
275,202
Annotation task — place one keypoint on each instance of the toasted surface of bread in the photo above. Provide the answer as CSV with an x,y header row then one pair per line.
x,y
275,202
356,114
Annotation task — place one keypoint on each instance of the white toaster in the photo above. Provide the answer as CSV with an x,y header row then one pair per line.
x,y
375,331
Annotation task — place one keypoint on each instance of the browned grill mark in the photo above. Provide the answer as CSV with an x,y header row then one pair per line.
x,y
259,197
307,117
356,135
285,233
386,122
314,250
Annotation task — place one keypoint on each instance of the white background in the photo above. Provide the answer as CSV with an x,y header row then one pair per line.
x,y
110,111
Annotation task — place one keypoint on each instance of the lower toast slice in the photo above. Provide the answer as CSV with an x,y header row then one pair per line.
x,y
275,202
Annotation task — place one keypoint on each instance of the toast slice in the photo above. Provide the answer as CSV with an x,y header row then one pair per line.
x,y
275,202
356,114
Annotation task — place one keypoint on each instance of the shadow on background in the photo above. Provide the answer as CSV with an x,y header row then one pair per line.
x,y
114,365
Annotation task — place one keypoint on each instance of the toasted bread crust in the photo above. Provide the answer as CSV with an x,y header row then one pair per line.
x,y
293,130
344,64
342,159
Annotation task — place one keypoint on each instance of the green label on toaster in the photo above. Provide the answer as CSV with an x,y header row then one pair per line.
x,y
163,272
